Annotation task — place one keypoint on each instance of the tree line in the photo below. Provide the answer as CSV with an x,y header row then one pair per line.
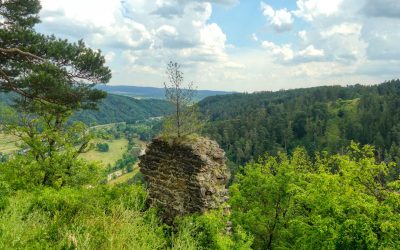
x,y
319,119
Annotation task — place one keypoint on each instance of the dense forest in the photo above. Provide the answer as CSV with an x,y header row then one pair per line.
x,y
318,119
115,108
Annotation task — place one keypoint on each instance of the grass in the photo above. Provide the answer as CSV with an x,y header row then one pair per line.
x,y
105,126
124,178
8,143
117,149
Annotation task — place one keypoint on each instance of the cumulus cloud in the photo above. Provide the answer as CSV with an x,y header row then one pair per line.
x,y
310,9
280,20
303,35
311,51
342,29
286,55
383,39
330,41
176,8
283,52
382,8
129,26
138,39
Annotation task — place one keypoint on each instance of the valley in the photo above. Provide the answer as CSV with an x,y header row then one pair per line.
x,y
269,125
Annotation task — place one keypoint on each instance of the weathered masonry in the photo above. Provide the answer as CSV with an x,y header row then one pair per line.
x,y
185,177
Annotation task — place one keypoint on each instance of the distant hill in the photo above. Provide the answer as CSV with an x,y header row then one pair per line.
x,y
116,108
318,119
152,92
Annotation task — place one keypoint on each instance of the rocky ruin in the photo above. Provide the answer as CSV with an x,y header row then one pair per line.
x,y
185,177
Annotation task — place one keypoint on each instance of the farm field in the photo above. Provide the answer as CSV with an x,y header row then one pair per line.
x,y
117,149
7,143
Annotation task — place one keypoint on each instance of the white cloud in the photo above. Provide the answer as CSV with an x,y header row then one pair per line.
x,y
342,29
342,41
176,8
383,39
310,9
283,52
280,20
110,56
382,8
311,51
303,35
138,42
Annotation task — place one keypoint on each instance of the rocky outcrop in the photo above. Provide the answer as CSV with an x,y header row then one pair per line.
x,y
185,177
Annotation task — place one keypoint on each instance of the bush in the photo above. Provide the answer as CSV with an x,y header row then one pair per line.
x,y
63,169
102,147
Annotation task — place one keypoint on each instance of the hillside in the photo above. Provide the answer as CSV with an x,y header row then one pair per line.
x,y
116,108
152,92
321,118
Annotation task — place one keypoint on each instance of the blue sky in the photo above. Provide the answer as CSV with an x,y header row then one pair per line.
x,y
245,18
240,45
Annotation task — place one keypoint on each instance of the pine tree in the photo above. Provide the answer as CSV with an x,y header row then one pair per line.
x,y
185,120
52,78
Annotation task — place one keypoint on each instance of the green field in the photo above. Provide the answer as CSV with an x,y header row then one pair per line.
x,y
8,143
117,149
124,178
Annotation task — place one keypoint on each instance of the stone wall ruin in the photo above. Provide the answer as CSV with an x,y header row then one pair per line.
x,y
185,177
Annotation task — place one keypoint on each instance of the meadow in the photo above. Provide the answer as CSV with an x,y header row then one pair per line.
x,y
117,149
8,143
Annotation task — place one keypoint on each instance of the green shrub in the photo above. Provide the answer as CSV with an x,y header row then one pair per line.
x,y
102,147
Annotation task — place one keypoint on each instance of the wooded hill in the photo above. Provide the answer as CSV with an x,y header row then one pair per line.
x,y
115,108
320,118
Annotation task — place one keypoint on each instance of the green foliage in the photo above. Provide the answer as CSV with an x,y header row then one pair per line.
x,y
21,13
126,162
208,231
46,72
50,79
190,123
334,202
102,147
105,218
318,119
80,218
24,172
4,192
185,118
116,108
